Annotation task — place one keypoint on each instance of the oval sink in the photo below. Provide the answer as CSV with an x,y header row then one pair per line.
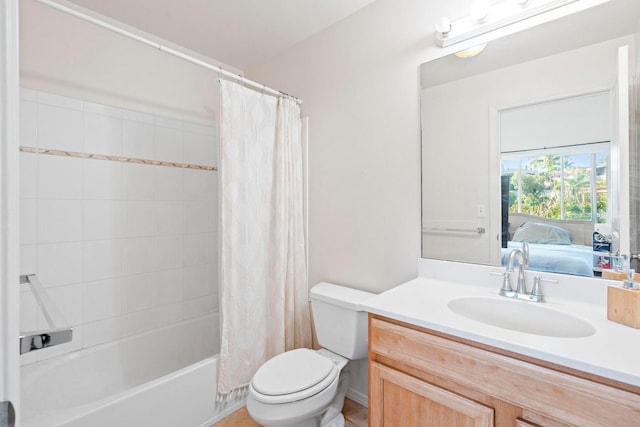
x,y
530,318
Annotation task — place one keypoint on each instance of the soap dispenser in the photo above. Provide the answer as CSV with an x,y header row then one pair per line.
x,y
629,282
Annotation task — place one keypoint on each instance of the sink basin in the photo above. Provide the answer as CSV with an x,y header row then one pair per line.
x,y
527,317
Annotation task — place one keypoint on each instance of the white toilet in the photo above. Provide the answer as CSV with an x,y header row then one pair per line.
x,y
304,387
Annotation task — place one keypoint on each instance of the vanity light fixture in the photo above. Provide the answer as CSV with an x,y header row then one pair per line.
x,y
484,19
479,10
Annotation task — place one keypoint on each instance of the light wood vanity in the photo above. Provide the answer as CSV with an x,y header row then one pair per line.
x,y
420,377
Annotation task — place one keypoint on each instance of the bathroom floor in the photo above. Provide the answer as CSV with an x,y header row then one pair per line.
x,y
354,414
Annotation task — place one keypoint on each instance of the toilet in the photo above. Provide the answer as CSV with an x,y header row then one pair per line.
x,y
306,388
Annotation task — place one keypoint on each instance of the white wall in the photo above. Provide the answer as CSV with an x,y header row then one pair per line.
x,y
122,248
360,84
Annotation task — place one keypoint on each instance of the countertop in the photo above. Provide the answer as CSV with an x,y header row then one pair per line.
x,y
613,351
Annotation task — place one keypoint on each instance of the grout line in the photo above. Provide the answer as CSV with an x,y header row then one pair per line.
x,y
122,159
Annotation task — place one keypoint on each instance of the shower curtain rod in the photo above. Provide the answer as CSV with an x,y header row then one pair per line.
x,y
166,49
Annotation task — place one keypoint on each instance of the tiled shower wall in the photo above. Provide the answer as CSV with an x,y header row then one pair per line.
x,y
122,248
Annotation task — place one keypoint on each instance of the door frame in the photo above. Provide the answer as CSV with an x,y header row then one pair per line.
x,y
9,205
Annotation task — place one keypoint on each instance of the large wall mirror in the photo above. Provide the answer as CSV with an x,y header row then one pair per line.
x,y
534,140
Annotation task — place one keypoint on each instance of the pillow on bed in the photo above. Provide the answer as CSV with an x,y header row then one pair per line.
x,y
535,232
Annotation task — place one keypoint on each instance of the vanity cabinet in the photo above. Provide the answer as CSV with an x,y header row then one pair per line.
x,y
423,378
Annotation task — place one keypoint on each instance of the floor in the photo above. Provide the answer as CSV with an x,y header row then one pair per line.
x,y
354,414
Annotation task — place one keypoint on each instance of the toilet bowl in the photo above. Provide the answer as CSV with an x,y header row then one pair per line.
x,y
306,388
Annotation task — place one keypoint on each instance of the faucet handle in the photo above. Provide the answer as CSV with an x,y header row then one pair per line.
x,y
536,291
506,281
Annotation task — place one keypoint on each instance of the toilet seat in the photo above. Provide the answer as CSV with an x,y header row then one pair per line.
x,y
292,376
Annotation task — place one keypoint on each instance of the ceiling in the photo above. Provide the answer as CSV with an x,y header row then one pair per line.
x,y
239,33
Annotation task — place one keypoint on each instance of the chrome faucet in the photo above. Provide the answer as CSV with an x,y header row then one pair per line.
x,y
525,254
521,287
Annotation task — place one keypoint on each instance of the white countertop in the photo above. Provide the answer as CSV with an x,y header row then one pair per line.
x,y
613,351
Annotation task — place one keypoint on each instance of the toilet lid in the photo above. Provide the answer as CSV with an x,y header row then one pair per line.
x,y
294,375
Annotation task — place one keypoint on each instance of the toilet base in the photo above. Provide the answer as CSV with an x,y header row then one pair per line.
x,y
338,421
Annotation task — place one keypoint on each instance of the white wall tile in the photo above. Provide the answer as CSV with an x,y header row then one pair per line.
x,y
28,358
199,184
59,101
28,221
68,299
167,314
28,311
169,285
168,183
168,144
28,95
28,259
60,263
138,292
102,331
28,124
198,149
102,134
138,322
102,259
102,299
168,123
102,219
102,179
169,218
138,182
138,116
169,252
200,217
137,139
200,129
197,281
122,272
59,128
198,307
59,177
105,110
59,221
138,255
28,175
138,218
196,249
215,149
215,302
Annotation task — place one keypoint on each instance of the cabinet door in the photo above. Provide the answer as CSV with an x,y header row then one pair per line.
x,y
400,400
522,423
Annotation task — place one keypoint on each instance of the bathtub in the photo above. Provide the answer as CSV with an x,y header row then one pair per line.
x,y
166,377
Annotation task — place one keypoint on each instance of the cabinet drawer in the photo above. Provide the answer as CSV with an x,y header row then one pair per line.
x,y
403,400
566,398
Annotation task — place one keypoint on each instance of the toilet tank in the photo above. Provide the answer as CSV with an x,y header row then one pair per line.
x,y
340,323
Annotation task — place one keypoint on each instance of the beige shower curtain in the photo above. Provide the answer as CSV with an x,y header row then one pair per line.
x,y
264,290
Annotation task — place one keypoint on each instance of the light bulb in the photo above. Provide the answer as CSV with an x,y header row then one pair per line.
x,y
479,10
444,26
471,52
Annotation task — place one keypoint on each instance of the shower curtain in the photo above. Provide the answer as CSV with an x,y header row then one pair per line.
x,y
264,290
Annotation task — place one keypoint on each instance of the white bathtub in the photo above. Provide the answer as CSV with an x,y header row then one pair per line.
x,y
166,377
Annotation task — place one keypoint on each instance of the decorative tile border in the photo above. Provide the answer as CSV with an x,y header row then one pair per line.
x,y
122,159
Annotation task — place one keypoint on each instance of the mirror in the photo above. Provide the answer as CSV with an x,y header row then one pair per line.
x,y
526,142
